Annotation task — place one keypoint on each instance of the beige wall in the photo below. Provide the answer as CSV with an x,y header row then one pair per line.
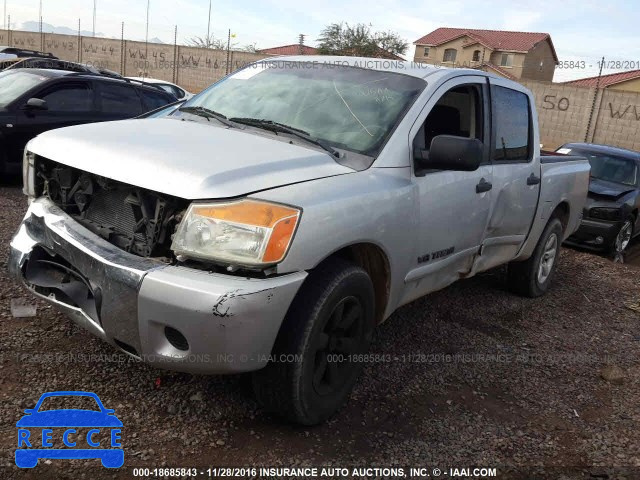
x,y
540,54
563,115
464,56
618,119
563,112
524,65
191,68
628,86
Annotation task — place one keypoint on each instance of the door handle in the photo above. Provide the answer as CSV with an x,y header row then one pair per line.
x,y
533,180
483,186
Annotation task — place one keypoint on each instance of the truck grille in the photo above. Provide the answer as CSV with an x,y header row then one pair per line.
x,y
136,220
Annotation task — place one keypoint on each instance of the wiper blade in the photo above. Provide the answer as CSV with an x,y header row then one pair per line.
x,y
282,128
207,113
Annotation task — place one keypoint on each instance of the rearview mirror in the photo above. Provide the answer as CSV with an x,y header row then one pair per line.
x,y
36,104
449,152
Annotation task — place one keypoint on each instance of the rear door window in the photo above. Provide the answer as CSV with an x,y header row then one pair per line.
x,y
119,99
153,99
68,97
511,125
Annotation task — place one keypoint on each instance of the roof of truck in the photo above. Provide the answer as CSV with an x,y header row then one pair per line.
x,y
420,70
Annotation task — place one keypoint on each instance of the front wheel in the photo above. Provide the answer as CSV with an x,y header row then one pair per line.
x,y
624,236
315,356
532,277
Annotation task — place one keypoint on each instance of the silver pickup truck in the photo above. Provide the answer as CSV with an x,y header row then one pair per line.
x,y
272,221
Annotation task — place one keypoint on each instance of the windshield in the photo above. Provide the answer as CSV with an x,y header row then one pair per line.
x,y
346,107
14,83
611,168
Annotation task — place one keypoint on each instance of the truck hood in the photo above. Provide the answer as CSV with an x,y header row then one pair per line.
x,y
186,159
605,188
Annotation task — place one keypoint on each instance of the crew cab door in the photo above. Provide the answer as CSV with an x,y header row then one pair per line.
x,y
516,174
67,103
453,206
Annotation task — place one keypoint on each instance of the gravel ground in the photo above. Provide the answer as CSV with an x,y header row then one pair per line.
x,y
477,377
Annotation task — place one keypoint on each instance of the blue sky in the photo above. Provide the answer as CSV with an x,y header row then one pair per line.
x,y
581,30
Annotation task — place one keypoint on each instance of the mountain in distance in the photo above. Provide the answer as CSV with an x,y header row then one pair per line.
x,y
31,26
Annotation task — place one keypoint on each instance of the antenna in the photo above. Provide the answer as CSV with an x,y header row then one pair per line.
x,y
209,26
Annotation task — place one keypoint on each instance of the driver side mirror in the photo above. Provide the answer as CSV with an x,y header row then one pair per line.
x,y
36,104
449,152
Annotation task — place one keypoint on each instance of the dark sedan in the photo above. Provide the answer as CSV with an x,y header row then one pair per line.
x,y
33,101
610,218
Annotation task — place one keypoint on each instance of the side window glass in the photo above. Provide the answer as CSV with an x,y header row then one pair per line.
x,y
69,98
458,112
153,99
120,99
512,125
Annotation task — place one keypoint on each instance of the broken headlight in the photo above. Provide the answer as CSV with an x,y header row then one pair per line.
x,y
29,174
246,232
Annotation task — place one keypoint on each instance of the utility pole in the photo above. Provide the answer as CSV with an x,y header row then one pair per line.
x,y
94,16
593,105
146,40
4,17
209,25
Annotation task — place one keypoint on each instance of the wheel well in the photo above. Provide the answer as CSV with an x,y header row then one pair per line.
x,y
561,212
372,259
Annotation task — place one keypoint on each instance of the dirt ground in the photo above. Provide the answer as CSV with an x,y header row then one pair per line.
x,y
476,376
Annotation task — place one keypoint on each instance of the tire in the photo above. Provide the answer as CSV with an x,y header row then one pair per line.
x,y
624,236
332,317
532,277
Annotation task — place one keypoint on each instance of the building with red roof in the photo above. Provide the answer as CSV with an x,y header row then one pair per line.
x,y
514,55
628,81
297,49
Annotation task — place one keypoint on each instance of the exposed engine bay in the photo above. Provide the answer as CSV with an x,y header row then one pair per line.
x,y
136,220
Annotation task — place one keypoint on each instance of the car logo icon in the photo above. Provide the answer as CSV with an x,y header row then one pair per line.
x,y
69,433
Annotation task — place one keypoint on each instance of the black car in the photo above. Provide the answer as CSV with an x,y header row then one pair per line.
x,y
610,217
33,101
23,52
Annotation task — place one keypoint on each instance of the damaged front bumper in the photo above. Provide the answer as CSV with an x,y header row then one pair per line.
x,y
171,316
595,234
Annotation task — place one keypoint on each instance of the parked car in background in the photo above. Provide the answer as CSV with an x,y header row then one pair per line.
x,y
610,217
273,236
33,101
23,52
179,92
55,64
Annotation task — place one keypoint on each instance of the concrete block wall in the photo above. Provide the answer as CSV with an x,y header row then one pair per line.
x,y
565,113
618,119
190,67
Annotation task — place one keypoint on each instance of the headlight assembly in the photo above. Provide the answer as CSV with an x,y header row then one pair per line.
x,y
606,213
28,174
247,232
